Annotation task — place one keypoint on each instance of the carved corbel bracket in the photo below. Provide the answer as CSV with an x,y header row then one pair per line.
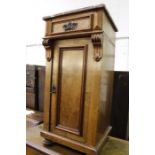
x,y
97,40
48,44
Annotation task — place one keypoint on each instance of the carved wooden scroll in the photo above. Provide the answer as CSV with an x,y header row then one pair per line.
x,y
48,44
97,40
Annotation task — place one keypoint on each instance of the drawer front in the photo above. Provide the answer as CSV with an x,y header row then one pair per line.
x,y
83,23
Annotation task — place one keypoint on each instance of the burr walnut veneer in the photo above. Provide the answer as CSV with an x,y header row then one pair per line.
x,y
79,49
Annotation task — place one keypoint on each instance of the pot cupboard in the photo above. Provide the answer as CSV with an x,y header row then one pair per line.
x,y
79,48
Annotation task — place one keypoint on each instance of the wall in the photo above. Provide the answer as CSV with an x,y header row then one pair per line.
x,y
35,29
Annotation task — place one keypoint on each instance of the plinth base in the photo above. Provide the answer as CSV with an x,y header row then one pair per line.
x,y
82,147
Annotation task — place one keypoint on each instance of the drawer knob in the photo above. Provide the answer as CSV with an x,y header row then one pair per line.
x,y
70,26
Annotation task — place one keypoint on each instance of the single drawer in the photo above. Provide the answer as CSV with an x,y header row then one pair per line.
x,y
82,23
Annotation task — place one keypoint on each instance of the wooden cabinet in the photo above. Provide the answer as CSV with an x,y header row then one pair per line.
x,y
41,85
120,105
31,87
79,77
35,79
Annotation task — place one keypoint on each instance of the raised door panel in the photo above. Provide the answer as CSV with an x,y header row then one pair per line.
x,y
70,89
69,81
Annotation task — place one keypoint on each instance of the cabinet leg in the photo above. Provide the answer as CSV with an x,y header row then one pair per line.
x,y
47,142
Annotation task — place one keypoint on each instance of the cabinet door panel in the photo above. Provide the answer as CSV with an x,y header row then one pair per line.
x,y
70,89
69,80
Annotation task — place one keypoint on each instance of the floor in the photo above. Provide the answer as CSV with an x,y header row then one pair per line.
x,y
113,146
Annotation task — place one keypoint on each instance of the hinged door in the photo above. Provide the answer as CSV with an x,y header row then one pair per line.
x,y
69,107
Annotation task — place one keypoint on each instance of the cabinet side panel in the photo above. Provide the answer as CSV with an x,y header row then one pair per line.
x,y
93,95
106,79
108,30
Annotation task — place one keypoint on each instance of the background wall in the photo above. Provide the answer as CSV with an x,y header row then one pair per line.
x,y
36,9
